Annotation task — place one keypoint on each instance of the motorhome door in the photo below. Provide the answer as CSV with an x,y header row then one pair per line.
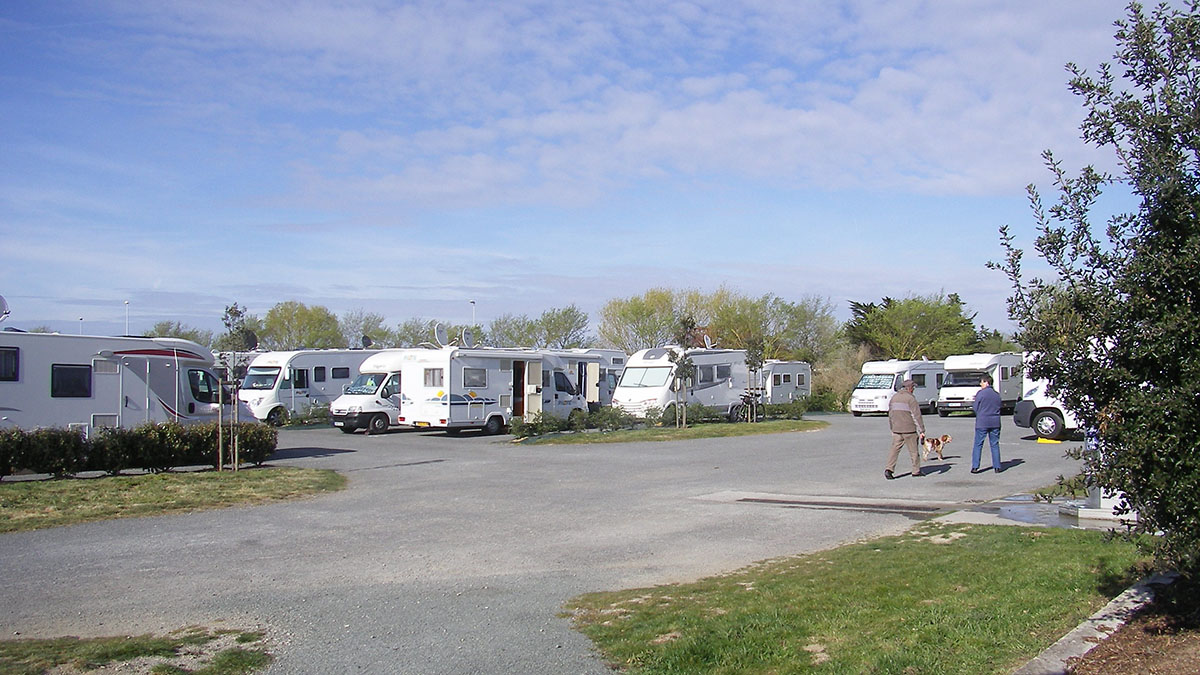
x,y
533,388
293,391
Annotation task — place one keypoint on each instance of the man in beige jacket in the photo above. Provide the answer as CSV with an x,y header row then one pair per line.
x,y
908,429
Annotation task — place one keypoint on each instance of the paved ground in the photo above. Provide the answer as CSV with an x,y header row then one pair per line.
x,y
454,555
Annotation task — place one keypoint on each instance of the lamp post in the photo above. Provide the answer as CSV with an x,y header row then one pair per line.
x,y
472,313
81,325
127,317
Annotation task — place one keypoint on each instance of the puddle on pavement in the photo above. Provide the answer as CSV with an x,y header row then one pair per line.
x,y
1026,509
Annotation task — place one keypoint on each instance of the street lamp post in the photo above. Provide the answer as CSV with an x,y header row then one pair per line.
x,y
472,313
81,325
127,317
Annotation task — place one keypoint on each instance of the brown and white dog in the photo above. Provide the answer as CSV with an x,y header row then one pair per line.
x,y
934,445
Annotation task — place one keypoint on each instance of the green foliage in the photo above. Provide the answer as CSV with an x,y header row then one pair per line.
x,y
702,414
931,326
827,399
294,325
154,448
537,424
640,322
241,330
792,410
1115,330
178,330
608,418
654,416
511,330
354,324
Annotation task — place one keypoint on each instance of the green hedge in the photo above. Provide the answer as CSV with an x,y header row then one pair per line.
x,y
150,447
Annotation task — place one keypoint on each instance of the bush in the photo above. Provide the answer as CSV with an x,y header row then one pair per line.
x,y
654,416
59,452
314,415
608,418
256,442
698,413
827,400
113,450
792,410
538,424
14,444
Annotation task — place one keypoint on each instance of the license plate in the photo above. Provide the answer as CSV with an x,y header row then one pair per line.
x,y
422,424
339,424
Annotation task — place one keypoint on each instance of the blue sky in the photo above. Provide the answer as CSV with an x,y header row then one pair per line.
x,y
405,159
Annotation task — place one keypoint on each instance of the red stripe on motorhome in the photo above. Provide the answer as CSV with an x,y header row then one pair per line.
x,y
161,352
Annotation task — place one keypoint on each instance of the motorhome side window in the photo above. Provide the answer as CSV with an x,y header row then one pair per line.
x,y
340,373
787,378
433,377
68,381
723,372
776,379
705,374
319,374
300,378
918,380
561,383
475,377
203,385
10,360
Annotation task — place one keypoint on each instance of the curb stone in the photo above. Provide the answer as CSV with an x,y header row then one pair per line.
x,y
1053,661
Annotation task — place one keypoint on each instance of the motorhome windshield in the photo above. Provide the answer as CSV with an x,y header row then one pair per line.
x,y
875,382
963,378
645,377
366,383
260,378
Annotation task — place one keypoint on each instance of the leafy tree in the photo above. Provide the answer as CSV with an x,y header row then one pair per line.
x,y
932,326
512,330
176,329
684,335
640,322
294,325
415,331
1115,330
563,328
356,323
241,330
991,341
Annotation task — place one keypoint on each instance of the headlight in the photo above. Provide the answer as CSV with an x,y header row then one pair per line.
x,y
354,409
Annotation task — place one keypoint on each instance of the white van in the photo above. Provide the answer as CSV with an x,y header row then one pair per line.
x,y
964,371
1043,413
599,389
88,382
882,379
279,384
374,400
455,388
721,381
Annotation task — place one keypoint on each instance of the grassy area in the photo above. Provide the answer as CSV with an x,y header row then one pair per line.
x,y
715,430
30,505
939,599
191,650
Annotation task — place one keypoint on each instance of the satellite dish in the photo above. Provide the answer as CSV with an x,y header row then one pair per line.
x,y
3,308
468,338
439,335
708,343
367,342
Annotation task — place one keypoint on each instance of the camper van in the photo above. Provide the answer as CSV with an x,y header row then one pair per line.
x,y
599,389
374,399
964,371
90,382
882,379
1043,413
721,380
457,388
279,384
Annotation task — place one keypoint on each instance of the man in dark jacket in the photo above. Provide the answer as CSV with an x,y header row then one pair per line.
x,y
987,423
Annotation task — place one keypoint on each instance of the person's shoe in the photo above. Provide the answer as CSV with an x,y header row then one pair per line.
x,y
996,469
978,470
887,473
917,474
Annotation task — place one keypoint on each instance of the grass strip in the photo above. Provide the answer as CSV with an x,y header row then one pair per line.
x,y
938,599
30,505
696,431
176,652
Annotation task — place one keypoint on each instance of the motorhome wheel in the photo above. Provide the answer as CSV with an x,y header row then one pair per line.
x,y
1048,424
277,417
494,426
347,430
378,424
943,413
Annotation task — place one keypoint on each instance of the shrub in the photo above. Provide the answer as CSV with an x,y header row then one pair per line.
x,y
826,400
608,418
113,450
792,410
13,448
536,425
698,413
313,415
654,416
256,442
59,452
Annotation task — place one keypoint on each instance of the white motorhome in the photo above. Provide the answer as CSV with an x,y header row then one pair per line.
x,y
721,380
90,382
1043,413
374,400
457,388
279,384
882,379
963,372
600,389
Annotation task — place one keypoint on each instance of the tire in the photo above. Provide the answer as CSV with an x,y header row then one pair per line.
x,y
276,417
378,424
1047,424
735,412
856,413
347,430
494,426
943,413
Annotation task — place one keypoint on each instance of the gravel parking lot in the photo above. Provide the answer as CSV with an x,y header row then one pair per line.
x,y
456,554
